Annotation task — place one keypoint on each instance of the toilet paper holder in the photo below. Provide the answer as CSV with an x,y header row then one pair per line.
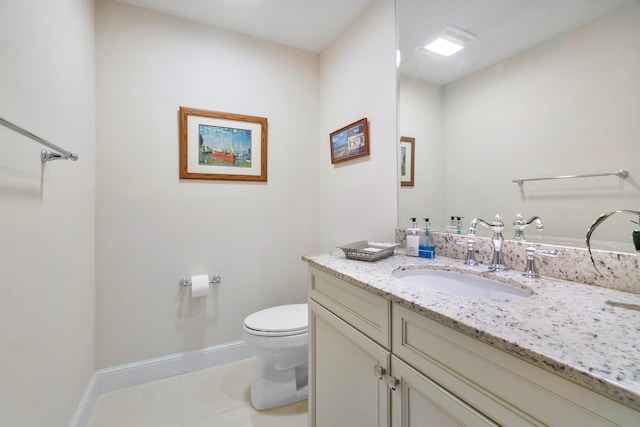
x,y
212,280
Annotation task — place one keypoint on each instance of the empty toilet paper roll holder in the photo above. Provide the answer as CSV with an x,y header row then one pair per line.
x,y
212,280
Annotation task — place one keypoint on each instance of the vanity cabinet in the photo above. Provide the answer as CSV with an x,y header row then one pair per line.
x,y
349,354
374,363
347,376
353,378
504,388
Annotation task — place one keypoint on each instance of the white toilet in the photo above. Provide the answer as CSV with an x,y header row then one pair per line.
x,y
278,336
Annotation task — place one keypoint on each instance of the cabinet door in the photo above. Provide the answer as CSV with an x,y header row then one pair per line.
x,y
418,401
343,387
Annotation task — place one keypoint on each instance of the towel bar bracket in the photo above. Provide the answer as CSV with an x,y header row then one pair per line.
x,y
46,155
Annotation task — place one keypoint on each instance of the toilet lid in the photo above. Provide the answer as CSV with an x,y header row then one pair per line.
x,y
284,318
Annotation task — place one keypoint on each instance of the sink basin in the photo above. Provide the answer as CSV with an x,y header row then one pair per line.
x,y
461,285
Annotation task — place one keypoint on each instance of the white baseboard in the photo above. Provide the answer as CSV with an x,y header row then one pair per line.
x,y
131,374
83,410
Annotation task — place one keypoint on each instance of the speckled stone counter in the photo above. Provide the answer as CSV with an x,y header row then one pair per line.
x,y
565,327
617,270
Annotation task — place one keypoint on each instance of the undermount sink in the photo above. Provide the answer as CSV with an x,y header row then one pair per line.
x,y
462,285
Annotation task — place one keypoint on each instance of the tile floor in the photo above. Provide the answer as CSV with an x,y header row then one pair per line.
x,y
216,396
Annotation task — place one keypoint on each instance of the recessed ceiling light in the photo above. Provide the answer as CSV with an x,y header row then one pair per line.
x,y
450,41
443,47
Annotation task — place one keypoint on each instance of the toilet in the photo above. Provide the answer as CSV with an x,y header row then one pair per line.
x,y
278,336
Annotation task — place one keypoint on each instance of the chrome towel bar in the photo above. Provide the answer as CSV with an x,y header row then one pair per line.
x,y
623,174
45,155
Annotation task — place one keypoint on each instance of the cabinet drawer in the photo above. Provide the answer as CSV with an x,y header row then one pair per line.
x,y
367,312
509,390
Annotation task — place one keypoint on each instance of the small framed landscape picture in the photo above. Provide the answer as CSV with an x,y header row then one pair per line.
x,y
350,142
407,154
225,146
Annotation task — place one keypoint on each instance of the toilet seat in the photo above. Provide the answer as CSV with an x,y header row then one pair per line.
x,y
284,320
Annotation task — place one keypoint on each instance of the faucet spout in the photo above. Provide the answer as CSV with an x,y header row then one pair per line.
x,y
497,226
519,224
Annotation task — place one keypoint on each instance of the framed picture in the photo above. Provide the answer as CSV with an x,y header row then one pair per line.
x,y
350,142
226,146
407,155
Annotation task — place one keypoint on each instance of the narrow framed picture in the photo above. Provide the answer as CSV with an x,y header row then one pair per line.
x,y
407,155
225,146
350,142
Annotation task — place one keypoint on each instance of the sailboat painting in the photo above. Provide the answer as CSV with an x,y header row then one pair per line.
x,y
224,146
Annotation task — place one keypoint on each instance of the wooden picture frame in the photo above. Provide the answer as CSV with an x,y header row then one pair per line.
x,y
222,146
350,142
407,160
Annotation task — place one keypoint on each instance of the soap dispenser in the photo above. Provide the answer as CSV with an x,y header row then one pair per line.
x,y
428,249
415,238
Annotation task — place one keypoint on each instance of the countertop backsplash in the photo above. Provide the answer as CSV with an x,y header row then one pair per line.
x,y
620,271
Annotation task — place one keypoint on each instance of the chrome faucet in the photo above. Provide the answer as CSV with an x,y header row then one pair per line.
x,y
519,224
496,226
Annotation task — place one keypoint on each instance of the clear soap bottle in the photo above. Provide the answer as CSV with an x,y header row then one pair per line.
x,y
428,250
427,231
415,238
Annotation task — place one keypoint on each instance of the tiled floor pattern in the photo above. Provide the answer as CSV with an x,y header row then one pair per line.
x,y
216,396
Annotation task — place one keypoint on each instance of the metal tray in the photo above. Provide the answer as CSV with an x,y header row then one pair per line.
x,y
368,251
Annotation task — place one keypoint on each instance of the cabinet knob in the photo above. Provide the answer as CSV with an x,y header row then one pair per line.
x,y
392,382
379,371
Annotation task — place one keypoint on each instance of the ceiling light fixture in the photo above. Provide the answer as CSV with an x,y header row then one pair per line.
x,y
450,41
443,47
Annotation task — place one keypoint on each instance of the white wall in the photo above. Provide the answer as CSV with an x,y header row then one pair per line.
x,y
566,107
420,108
152,228
47,284
109,236
358,198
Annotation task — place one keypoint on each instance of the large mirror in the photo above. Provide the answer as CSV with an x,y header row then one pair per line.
x,y
541,89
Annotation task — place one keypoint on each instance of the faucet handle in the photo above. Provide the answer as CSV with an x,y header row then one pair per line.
x,y
471,254
530,269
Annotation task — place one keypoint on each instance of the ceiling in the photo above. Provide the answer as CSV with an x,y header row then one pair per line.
x,y
305,24
503,28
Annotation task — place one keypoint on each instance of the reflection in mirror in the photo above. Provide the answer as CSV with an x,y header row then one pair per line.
x,y
545,89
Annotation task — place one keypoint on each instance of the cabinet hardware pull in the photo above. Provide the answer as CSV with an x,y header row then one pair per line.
x,y
379,371
392,382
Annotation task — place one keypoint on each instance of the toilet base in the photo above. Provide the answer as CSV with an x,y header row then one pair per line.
x,y
271,387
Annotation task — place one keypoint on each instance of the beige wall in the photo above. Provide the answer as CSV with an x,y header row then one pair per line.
x,y
566,107
357,75
152,228
93,250
420,109
47,284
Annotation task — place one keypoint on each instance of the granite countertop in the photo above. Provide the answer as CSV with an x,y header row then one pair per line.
x,y
565,327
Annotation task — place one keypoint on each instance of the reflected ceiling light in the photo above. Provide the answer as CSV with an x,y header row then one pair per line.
x,y
450,41
443,47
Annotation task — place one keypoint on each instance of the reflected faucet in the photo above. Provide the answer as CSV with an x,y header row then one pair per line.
x,y
496,226
519,224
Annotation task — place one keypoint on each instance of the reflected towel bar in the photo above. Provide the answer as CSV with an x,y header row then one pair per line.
x,y
620,173
45,155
